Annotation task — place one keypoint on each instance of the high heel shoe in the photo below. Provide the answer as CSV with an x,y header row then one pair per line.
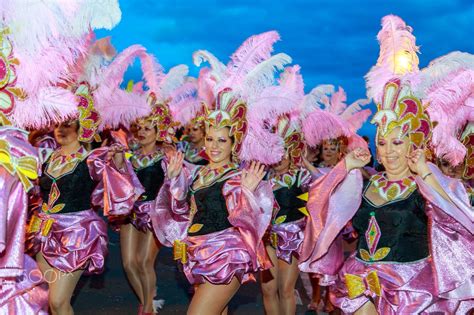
x,y
140,309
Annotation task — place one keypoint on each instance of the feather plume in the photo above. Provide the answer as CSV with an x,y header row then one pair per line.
x,y
122,108
113,75
171,81
318,95
39,23
51,105
320,125
253,51
184,104
206,87
218,68
263,75
153,72
271,103
261,145
439,69
398,55
292,79
337,103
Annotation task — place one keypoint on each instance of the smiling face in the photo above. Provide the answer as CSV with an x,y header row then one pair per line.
x,y
145,132
218,146
67,132
330,152
392,151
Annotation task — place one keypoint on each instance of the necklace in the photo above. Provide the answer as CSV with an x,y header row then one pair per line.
x,y
392,189
286,180
140,161
207,176
60,164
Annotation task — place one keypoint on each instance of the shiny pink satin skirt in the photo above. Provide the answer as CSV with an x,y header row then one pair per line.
x,y
290,237
140,217
77,240
406,288
26,294
217,258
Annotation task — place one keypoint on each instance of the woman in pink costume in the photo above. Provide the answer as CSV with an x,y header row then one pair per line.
x,y
226,211
404,218
289,181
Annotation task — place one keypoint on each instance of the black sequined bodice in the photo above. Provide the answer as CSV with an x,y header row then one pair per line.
x,y
75,188
401,228
211,210
151,177
289,203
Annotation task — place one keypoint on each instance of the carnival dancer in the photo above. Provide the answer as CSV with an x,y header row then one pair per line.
x,y
329,121
289,181
398,257
155,135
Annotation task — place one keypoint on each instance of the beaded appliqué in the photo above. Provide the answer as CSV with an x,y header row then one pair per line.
x,y
372,237
140,161
206,176
60,164
54,194
391,190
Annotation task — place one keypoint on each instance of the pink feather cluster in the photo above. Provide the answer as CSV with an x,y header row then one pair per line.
x,y
48,38
395,38
330,117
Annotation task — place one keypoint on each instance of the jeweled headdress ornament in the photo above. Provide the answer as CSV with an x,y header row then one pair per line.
x,y
401,109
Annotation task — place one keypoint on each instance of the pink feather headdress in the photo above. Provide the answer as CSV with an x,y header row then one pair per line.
x,y
446,87
325,115
50,34
398,56
250,77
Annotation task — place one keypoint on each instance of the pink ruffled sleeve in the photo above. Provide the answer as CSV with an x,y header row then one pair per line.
x,y
251,213
170,217
333,200
116,191
451,236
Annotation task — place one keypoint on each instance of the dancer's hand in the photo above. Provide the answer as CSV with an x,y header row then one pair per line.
x,y
252,176
175,164
357,158
417,162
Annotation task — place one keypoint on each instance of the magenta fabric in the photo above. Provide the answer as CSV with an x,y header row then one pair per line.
x,y
140,217
406,288
25,294
19,292
76,241
335,198
218,257
116,192
290,237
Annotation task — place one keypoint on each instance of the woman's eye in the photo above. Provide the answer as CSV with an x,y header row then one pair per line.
x,y
222,140
381,143
208,139
397,142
